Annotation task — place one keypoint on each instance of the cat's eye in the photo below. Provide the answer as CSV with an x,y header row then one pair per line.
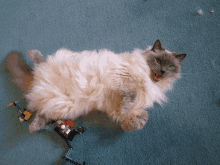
x,y
158,60
171,67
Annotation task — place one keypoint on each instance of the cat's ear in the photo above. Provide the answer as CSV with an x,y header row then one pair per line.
x,y
180,57
157,46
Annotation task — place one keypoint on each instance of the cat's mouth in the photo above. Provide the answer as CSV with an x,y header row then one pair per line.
x,y
157,78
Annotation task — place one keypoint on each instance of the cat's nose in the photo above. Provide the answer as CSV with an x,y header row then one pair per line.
x,y
162,71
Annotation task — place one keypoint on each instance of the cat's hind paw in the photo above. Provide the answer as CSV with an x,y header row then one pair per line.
x,y
35,56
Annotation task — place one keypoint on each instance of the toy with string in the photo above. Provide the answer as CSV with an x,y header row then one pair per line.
x,y
64,129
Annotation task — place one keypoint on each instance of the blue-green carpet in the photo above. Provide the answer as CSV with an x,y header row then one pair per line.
x,y
185,130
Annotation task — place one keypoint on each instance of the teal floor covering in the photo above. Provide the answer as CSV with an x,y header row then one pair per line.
x,y
185,130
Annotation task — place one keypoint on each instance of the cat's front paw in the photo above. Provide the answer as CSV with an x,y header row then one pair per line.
x,y
135,123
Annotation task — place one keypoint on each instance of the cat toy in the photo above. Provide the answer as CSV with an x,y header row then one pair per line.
x,y
64,130
25,115
67,158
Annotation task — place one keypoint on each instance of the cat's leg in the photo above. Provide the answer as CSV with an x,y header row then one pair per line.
x,y
36,57
135,117
38,122
126,102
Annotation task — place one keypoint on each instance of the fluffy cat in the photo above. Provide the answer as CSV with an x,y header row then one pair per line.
x,y
69,84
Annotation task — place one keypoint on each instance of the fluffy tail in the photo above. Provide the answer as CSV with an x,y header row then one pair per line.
x,y
19,71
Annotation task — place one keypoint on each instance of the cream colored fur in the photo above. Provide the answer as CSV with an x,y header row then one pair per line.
x,y
70,84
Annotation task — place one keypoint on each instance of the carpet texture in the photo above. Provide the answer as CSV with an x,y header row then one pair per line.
x,y
185,130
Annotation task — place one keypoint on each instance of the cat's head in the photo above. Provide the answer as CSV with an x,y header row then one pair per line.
x,y
163,64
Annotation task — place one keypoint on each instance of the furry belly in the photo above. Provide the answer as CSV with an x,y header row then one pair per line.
x,y
67,89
